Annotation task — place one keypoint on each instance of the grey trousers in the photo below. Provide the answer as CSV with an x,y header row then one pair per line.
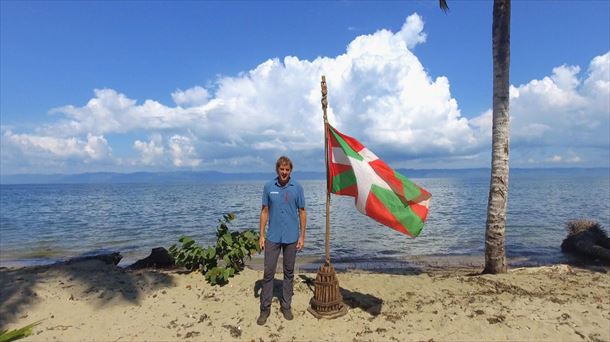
x,y
272,253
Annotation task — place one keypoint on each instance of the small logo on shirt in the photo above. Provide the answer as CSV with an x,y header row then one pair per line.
x,y
274,192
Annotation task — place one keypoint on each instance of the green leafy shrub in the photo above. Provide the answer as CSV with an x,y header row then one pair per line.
x,y
220,262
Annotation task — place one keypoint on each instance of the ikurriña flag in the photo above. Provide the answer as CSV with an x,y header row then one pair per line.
x,y
381,193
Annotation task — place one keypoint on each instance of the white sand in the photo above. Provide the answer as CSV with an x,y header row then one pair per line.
x,y
90,301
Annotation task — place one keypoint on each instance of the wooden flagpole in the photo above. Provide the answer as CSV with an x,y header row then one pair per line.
x,y
327,301
324,106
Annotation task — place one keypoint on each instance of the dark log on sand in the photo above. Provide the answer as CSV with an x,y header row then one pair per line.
x,y
159,257
108,258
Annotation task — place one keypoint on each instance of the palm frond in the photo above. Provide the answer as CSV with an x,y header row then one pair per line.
x,y
443,5
7,336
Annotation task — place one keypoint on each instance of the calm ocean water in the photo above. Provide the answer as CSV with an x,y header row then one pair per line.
x,y
46,223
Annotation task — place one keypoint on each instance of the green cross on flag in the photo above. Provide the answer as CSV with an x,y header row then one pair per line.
x,y
381,193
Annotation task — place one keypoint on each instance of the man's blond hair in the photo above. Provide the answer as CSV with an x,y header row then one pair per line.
x,y
282,161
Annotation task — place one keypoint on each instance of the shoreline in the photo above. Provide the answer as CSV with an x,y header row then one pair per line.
x,y
310,263
93,301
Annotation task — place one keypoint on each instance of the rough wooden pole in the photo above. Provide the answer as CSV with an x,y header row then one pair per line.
x,y
326,155
327,301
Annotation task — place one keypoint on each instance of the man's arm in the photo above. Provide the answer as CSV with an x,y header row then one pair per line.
x,y
263,223
302,226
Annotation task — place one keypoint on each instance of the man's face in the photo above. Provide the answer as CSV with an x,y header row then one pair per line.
x,y
283,173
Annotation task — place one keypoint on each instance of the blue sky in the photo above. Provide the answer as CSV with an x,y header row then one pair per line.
x,y
230,86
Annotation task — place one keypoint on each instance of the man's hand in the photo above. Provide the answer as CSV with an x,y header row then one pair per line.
x,y
263,222
302,225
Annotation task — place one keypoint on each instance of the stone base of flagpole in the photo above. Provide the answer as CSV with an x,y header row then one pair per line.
x,y
327,301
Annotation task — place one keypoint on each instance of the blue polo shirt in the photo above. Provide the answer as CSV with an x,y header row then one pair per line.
x,y
283,203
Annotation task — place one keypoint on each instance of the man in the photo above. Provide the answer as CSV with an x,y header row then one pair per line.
x,y
284,209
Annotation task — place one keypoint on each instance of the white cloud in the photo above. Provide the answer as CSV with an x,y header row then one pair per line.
x,y
482,124
94,148
152,152
379,92
177,150
569,158
563,110
112,112
196,96
412,31
27,153
183,152
597,83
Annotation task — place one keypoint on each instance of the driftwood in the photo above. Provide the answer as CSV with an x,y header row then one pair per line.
x,y
587,238
159,257
108,258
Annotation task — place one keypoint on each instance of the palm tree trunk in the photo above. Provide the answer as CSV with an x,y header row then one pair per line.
x,y
495,254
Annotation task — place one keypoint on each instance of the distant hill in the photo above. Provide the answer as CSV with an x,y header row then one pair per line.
x,y
486,172
215,176
146,177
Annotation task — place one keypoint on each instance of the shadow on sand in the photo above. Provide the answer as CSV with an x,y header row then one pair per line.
x,y
353,299
77,280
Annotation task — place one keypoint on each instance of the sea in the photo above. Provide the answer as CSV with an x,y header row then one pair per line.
x,y
47,223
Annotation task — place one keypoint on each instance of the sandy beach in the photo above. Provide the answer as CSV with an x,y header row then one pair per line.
x,y
92,301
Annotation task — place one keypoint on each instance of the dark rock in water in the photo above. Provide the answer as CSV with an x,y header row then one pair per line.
x,y
108,258
159,257
587,238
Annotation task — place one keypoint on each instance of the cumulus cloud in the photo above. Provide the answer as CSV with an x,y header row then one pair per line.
x,y
196,96
412,31
183,152
151,152
27,153
565,111
93,148
379,92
